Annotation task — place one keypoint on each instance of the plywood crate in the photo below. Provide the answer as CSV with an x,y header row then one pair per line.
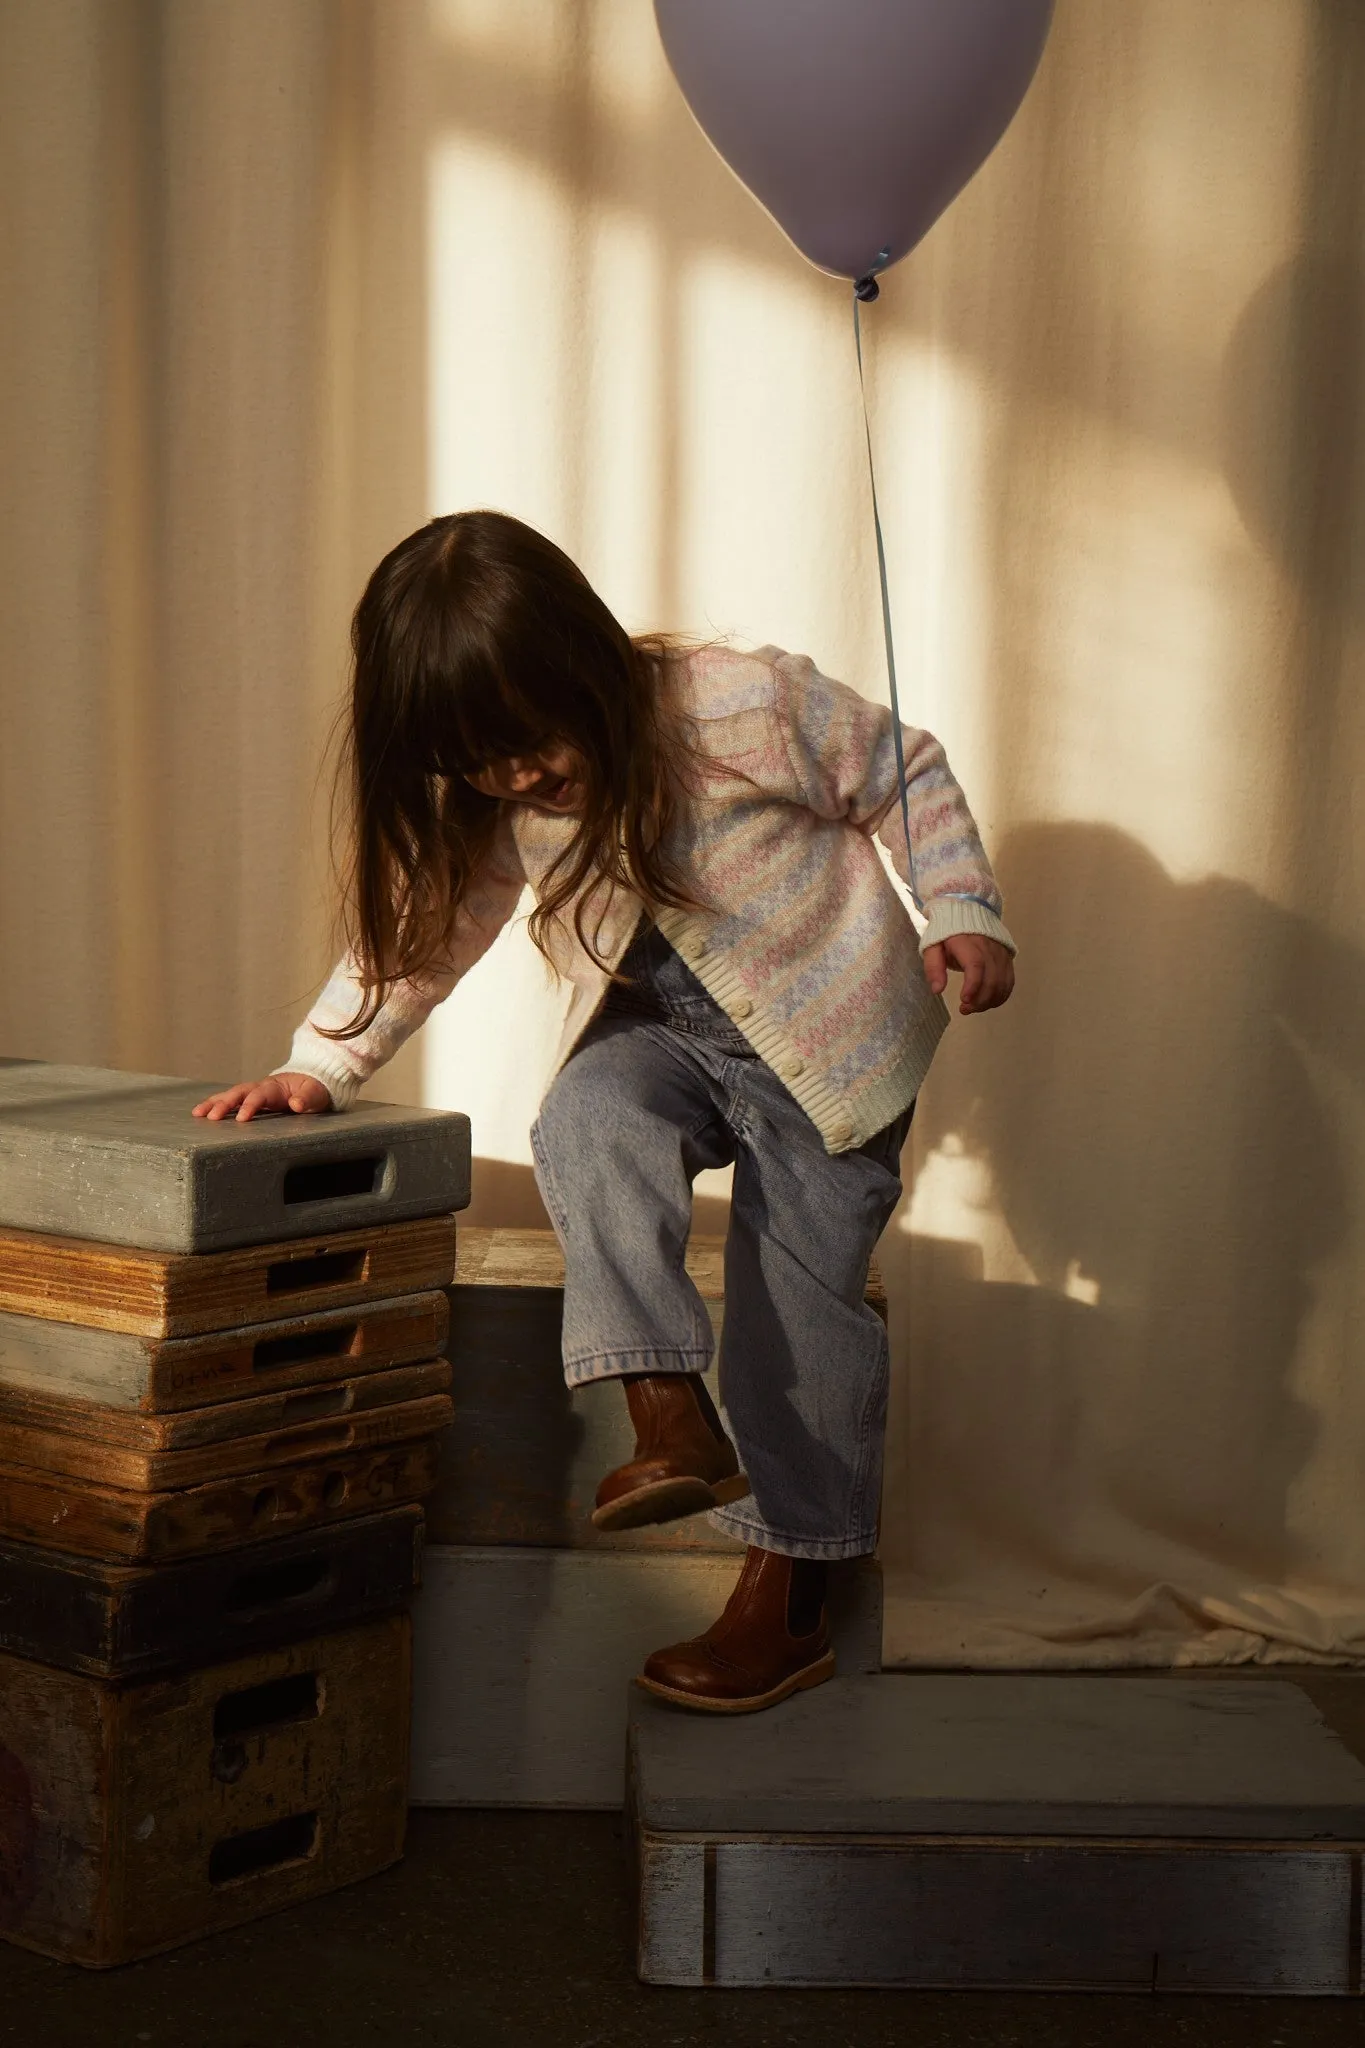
x,y
136,1818
161,1294
160,1376
129,1621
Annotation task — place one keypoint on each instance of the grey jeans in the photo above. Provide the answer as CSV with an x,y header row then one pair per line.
x,y
661,1086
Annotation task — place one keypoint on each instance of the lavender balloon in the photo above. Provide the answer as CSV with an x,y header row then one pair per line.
x,y
854,122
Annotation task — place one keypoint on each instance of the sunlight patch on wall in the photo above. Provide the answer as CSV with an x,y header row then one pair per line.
x,y
503,260
954,1198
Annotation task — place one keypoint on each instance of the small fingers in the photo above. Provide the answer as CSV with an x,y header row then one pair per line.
x,y
936,968
973,976
216,1107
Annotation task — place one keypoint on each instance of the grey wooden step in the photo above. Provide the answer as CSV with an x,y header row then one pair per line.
x,y
92,1153
1098,1831
524,1661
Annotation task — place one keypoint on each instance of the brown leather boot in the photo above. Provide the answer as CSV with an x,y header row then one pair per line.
x,y
684,1462
772,1640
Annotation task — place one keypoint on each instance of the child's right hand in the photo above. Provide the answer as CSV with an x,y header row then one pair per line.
x,y
277,1093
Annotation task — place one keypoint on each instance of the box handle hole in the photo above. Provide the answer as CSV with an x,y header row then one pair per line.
x,y
334,1180
279,1700
320,1269
284,1841
274,1352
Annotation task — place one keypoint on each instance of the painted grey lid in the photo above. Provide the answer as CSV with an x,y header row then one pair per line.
x,y
968,1754
95,1153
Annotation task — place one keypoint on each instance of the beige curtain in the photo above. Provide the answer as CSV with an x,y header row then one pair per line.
x,y
285,275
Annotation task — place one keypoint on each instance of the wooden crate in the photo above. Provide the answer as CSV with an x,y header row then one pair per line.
x,y
1105,1832
168,1294
222,1421
136,1818
87,1151
128,1621
159,1376
524,1457
524,1661
63,1454
145,1528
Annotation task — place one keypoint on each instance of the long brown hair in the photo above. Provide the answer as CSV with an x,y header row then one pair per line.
x,y
477,639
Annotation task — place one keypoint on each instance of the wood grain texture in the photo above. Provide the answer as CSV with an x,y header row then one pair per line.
x,y
144,1528
222,1421
532,1258
1023,1914
149,1805
127,1621
154,1471
157,1376
164,1294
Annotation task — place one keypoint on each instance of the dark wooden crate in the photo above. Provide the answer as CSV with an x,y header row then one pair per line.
x,y
140,1470
175,1294
524,1457
1084,1831
136,1818
128,1621
158,1376
145,1528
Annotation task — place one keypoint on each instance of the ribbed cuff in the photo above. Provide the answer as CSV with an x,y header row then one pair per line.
x,y
949,915
339,1082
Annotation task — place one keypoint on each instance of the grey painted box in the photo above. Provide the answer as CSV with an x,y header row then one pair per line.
x,y
1098,1832
523,1661
88,1152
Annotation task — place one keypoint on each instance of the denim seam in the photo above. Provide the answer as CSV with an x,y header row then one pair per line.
x,y
811,1546
614,1365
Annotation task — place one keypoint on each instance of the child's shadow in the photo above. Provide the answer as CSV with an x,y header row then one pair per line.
x,y
1160,1150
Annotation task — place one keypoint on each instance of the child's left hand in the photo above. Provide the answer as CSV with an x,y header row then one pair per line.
x,y
986,967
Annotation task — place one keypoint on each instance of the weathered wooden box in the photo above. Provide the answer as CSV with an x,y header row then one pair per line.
x,y
160,1376
92,1153
147,1528
170,1294
128,1621
372,1421
135,1818
1096,1832
524,1660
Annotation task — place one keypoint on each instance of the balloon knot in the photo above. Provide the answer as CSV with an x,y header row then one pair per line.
x,y
867,288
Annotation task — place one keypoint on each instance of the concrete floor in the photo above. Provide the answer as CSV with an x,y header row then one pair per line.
x,y
515,1928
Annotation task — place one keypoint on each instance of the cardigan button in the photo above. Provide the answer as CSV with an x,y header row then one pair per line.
x,y
841,1132
789,1069
743,1008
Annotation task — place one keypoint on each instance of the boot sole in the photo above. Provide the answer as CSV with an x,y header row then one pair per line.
x,y
668,1500
800,1681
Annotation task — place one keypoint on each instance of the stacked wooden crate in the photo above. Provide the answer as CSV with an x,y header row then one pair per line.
x,y
221,1391
531,1622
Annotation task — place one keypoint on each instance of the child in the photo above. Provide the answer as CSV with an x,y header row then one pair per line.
x,y
697,827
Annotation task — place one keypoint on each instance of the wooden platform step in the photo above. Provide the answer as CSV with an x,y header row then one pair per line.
x,y
1102,1832
524,1458
524,1661
90,1152
170,1294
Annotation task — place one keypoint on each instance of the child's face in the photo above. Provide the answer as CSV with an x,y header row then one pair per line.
x,y
549,780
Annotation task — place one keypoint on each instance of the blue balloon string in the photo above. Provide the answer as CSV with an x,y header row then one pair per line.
x,y
860,291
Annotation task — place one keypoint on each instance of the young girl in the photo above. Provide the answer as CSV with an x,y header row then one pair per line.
x,y
697,827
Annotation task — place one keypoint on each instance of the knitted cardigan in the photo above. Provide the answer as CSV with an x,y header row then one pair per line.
x,y
805,940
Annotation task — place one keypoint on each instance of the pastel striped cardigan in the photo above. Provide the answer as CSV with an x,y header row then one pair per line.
x,y
806,943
